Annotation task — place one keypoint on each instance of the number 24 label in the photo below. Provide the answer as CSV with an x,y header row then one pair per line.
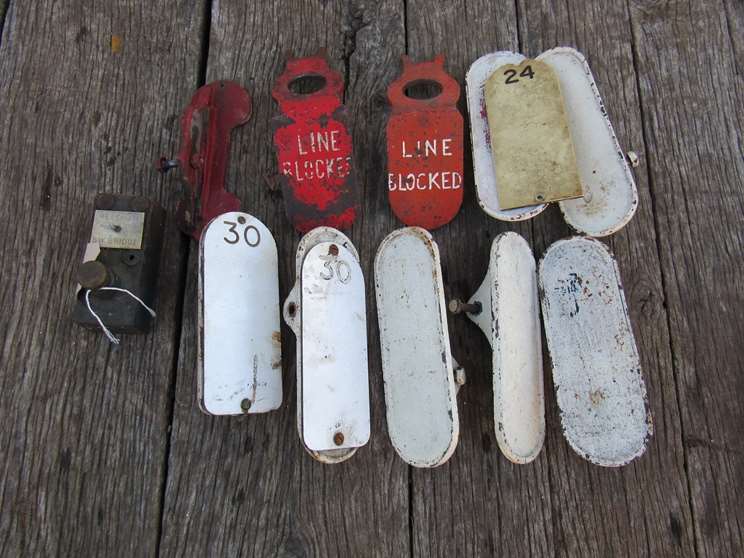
x,y
511,74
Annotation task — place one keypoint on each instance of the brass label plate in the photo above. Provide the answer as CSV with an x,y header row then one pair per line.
x,y
118,229
531,145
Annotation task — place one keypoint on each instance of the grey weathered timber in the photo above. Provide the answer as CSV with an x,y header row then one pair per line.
x,y
83,424
104,451
478,503
245,486
616,517
686,53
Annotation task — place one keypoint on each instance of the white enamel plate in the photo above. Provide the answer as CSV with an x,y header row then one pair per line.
x,y
596,368
420,391
326,310
238,305
510,319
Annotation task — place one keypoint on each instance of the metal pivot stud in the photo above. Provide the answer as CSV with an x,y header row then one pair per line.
x,y
456,306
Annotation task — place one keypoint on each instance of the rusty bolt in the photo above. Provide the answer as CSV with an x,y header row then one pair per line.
x,y
245,405
333,250
291,308
164,165
338,438
458,307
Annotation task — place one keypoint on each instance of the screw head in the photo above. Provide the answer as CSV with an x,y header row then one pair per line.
x,y
338,438
245,405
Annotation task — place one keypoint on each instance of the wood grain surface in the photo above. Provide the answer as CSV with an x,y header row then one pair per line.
x,y
84,424
104,450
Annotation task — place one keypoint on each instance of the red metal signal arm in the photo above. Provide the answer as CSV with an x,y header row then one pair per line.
x,y
206,123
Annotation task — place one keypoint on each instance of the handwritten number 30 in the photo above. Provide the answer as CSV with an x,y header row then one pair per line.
x,y
236,237
342,270
526,73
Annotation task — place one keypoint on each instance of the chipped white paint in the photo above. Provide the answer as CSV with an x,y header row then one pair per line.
x,y
510,319
483,166
326,311
610,195
239,354
596,369
417,366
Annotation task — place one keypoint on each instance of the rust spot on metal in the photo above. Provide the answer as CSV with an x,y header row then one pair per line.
x,y
338,438
333,250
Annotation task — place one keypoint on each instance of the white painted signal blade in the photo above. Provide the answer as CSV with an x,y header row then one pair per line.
x,y
596,368
326,311
239,354
417,365
510,319
610,195
485,174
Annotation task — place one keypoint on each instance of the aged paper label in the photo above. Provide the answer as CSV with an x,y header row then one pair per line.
x,y
118,229
533,154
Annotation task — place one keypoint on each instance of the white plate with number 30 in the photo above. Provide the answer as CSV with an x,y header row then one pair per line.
x,y
239,361
327,313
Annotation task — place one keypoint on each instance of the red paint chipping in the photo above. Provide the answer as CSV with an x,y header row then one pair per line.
x,y
314,148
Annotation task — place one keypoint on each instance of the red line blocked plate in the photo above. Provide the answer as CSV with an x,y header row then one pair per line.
x,y
314,148
425,147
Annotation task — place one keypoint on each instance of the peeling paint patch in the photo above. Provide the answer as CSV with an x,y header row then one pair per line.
x,y
596,367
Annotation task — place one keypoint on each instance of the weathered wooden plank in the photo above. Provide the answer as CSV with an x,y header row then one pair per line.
x,y
478,503
643,507
684,51
246,486
83,424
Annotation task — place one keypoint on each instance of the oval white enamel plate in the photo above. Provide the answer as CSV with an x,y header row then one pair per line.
x,y
238,305
417,366
510,318
596,368
610,195
485,175
335,389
